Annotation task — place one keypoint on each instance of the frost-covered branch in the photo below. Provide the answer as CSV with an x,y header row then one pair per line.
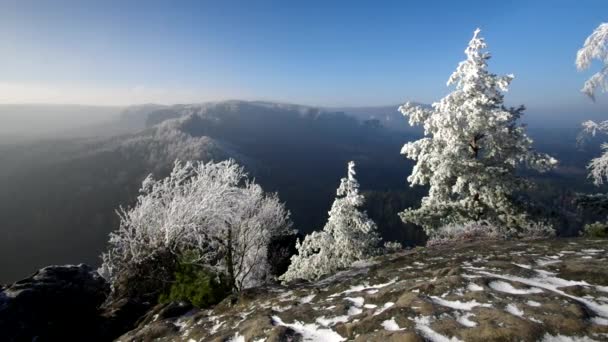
x,y
595,47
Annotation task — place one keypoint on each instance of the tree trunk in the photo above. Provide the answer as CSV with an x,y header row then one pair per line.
x,y
230,262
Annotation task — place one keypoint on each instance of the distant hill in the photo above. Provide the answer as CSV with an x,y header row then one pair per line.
x,y
59,194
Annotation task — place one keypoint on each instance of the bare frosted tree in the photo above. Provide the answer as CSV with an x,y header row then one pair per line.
x,y
208,208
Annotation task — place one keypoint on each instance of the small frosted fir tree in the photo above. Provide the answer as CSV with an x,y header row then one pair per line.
x,y
348,236
472,148
596,47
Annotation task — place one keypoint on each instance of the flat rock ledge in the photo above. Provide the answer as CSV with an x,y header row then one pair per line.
x,y
549,290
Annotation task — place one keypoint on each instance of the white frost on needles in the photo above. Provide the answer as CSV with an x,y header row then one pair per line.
x,y
471,150
348,236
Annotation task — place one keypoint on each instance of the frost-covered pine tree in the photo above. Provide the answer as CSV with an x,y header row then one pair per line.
x,y
211,209
596,47
471,151
348,236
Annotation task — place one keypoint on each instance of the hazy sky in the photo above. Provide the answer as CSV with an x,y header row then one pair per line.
x,y
311,52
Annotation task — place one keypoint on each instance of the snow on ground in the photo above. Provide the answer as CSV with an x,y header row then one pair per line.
x,y
391,325
514,310
385,307
328,322
599,321
464,319
458,305
503,286
237,338
474,287
423,325
533,303
552,285
563,338
307,299
310,332
364,287
357,301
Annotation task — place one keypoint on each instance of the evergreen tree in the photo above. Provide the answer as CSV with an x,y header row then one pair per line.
x,y
472,148
348,236
596,47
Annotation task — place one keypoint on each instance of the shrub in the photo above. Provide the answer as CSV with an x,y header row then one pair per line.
x,y
195,284
463,232
595,230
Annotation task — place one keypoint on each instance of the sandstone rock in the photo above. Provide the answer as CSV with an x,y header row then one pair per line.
x,y
57,303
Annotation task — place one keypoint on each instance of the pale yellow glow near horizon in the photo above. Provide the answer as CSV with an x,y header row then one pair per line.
x,y
21,93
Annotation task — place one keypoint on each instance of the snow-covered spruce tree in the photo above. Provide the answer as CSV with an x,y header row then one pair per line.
x,y
596,47
207,209
472,148
348,236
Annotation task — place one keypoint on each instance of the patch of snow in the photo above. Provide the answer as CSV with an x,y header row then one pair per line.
x,y
514,310
535,320
465,321
599,321
310,331
528,267
458,305
533,303
385,307
365,287
545,262
328,322
307,299
281,308
357,301
423,326
474,287
352,311
370,306
550,285
391,325
602,288
592,251
237,338
563,338
503,286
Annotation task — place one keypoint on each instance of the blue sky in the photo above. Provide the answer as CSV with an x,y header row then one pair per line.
x,y
327,53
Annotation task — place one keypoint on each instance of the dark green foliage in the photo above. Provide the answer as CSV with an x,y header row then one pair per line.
x,y
596,230
280,251
144,282
195,284
384,206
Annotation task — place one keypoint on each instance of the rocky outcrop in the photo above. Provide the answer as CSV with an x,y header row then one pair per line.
x,y
553,290
57,303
